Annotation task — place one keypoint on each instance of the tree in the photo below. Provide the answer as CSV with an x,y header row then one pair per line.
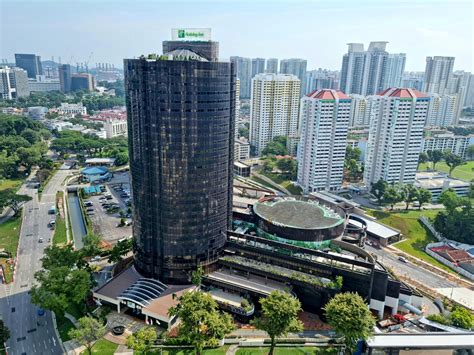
x,y
31,135
453,161
9,198
120,249
434,156
279,316
378,190
410,194
462,318
423,158
196,276
91,245
4,334
201,322
353,153
121,158
449,199
142,340
392,196
470,151
424,196
276,147
288,167
88,332
350,317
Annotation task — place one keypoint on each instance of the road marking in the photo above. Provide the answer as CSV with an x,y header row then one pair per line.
x,y
54,341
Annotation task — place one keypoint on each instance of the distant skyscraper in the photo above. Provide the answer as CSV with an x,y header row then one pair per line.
x,y
352,71
469,101
274,108
324,117
13,83
258,66
31,63
438,75
395,68
413,80
369,72
320,79
442,110
243,69
65,77
294,66
272,66
460,85
397,119
181,137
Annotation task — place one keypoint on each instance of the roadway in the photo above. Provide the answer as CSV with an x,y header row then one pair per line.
x,y
30,333
410,270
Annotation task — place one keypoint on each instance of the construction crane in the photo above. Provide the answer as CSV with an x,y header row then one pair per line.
x,y
86,63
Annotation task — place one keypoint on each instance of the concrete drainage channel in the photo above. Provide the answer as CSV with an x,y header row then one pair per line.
x,y
79,230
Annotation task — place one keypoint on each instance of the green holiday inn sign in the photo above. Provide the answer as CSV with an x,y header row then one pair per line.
x,y
193,34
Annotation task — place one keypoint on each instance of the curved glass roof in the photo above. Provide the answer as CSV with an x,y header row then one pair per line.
x,y
143,291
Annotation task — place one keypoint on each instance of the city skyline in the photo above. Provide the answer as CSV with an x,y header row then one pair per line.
x,y
445,30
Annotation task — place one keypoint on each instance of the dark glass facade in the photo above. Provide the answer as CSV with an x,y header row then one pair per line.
x,y
65,77
31,63
180,129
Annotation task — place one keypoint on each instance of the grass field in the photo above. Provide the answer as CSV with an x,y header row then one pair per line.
x,y
188,351
9,237
463,172
295,190
60,235
103,347
415,233
300,350
10,184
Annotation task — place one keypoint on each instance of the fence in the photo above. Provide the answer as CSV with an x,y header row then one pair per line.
x,y
446,262
426,222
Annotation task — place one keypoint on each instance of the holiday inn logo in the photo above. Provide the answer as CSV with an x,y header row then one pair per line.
x,y
181,33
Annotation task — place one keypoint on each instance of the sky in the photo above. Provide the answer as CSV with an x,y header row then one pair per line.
x,y
317,30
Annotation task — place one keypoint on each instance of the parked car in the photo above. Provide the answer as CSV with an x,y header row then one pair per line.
x,y
40,240
52,210
402,259
90,210
88,203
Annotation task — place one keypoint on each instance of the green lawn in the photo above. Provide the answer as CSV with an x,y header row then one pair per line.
x,y
300,350
464,172
287,184
64,325
188,351
10,184
9,237
416,235
103,347
60,234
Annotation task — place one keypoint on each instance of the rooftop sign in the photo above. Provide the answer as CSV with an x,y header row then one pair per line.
x,y
191,34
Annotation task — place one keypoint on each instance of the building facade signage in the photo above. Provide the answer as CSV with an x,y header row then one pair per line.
x,y
191,34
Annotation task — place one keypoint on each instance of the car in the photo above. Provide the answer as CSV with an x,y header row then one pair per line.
x,y
109,197
90,209
402,259
90,213
40,312
40,240
88,204
52,210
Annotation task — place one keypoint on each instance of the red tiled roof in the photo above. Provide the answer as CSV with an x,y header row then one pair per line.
x,y
402,93
327,94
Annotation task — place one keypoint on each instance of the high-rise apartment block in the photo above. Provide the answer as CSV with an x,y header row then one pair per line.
x,y
395,67
272,66
438,75
448,141
296,67
359,113
368,72
442,110
243,69
258,66
274,108
13,83
320,79
31,63
324,117
397,119
413,80
181,137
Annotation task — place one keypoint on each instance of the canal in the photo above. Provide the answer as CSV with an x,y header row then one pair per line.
x,y
79,230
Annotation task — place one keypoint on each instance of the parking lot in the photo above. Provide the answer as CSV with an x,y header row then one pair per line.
x,y
107,209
